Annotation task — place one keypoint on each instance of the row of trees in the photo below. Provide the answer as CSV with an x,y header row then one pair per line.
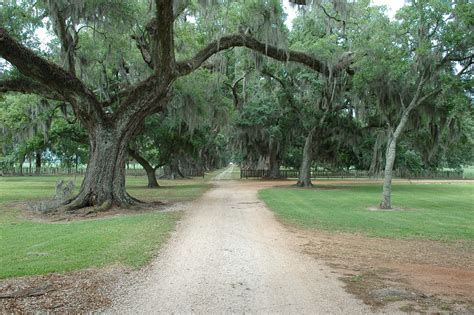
x,y
346,87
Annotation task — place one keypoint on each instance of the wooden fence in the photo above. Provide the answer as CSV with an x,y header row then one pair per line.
x,y
160,172
247,173
26,171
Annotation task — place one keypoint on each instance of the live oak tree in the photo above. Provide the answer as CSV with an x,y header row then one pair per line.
x,y
25,122
263,123
113,120
411,61
323,32
183,133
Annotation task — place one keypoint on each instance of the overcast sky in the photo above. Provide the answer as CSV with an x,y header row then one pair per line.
x,y
392,7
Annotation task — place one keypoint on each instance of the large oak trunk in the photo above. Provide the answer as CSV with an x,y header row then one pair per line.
x,y
274,170
104,181
305,169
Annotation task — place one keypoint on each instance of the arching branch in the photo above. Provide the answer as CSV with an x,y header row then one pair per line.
x,y
26,86
274,77
241,40
67,85
140,159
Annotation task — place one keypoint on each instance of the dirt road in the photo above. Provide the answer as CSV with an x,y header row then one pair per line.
x,y
230,255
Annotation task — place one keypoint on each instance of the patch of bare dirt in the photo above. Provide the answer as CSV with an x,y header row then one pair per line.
x,y
395,209
74,292
60,215
433,276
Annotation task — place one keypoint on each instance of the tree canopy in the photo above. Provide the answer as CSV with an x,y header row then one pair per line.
x,y
195,84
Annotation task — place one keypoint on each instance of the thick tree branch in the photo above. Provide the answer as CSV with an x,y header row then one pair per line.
x,y
140,159
241,40
26,86
162,39
68,86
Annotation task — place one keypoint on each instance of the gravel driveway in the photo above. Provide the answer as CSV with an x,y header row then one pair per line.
x,y
230,255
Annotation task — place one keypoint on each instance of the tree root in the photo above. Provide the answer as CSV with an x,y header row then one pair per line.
x,y
385,206
83,201
28,292
304,184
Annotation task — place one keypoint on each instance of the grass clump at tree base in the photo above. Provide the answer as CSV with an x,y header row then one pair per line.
x,y
428,211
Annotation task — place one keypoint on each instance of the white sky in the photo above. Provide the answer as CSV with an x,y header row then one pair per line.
x,y
392,8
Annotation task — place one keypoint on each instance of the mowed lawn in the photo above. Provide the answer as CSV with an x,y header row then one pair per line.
x,y
429,211
29,248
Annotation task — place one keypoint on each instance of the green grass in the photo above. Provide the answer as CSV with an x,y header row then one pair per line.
x,y
233,175
30,248
431,211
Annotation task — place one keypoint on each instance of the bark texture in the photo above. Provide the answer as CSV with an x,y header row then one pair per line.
x,y
377,156
305,169
104,182
274,161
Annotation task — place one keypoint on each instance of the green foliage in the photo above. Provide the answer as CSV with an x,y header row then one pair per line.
x,y
189,128
32,125
200,124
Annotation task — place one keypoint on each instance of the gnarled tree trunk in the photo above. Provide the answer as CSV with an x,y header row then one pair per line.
x,y
21,160
305,169
104,182
375,164
38,163
274,162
